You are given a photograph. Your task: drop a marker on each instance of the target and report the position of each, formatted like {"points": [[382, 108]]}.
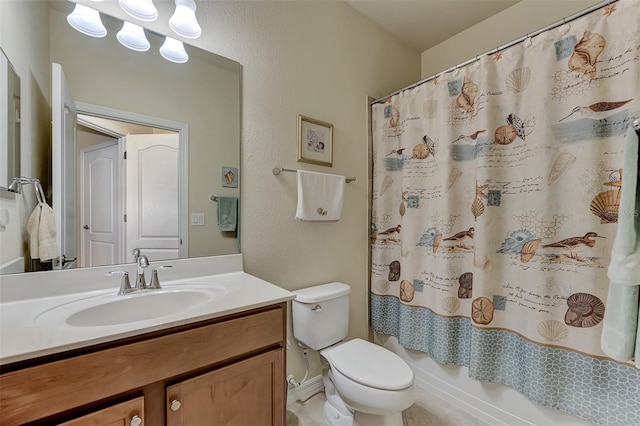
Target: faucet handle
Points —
{"points": [[155, 282], [125, 285], [136, 254]]}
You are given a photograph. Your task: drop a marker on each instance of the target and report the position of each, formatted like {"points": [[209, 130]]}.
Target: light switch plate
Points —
{"points": [[197, 219]]}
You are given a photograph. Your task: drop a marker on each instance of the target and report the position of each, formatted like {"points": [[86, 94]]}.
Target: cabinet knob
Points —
{"points": [[135, 421], [175, 405]]}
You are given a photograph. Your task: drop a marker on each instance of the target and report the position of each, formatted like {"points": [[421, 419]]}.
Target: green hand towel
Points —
{"points": [[620, 331], [227, 213]]}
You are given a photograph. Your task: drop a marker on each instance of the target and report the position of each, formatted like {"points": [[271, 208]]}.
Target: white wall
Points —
{"points": [[494, 403]]}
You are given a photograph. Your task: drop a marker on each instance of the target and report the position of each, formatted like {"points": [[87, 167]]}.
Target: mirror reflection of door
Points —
{"points": [[152, 196], [64, 117], [123, 168], [100, 209]]}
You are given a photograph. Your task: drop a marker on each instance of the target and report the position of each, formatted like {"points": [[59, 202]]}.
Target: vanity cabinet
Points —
{"points": [[226, 370], [128, 413], [239, 394]]}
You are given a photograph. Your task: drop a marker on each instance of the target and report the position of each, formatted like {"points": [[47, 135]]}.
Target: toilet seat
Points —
{"points": [[370, 365]]}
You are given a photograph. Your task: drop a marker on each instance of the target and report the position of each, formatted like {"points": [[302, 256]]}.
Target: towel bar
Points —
{"points": [[278, 170]]}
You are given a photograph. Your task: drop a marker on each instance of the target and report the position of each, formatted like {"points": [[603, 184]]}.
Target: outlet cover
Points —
{"points": [[197, 219]]}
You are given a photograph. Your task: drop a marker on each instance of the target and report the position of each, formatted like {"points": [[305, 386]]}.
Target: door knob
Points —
{"points": [[175, 405], [85, 227], [135, 421]]}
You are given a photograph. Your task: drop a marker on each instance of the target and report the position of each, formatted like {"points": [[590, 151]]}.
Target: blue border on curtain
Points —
{"points": [[601, 391]]}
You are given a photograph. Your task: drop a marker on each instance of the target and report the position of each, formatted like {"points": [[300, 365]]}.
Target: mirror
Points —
{"points": [[9, 122], [202, 95]]}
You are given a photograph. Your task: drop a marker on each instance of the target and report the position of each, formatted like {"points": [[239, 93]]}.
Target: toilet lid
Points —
{"points": [[371, 365]]}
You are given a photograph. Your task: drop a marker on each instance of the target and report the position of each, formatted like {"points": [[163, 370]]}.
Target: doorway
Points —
{"points": [[128, 191]]}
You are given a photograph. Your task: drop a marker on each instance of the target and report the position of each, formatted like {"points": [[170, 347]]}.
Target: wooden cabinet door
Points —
{"points": [[122, 414], [247, 393]]}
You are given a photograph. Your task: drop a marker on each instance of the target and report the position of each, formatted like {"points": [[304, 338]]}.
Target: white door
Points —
{"points": [[63, 110], [152, 196], [100, 184]]}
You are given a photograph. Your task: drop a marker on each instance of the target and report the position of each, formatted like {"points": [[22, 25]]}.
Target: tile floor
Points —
{"points": [[427, 410]]}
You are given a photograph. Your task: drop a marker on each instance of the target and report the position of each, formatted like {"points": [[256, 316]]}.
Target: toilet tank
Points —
{"points": [[321, 314]]}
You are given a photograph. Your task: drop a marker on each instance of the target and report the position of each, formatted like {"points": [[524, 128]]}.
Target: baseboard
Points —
{"points": [[305, 390]]}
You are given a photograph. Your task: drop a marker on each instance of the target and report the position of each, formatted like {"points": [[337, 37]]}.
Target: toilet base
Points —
{"points": [[364, 419], [338, 413], [336, 417], [335, 410]]}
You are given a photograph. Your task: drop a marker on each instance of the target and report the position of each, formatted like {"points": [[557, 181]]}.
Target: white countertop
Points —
{"points": [[23, 336]]}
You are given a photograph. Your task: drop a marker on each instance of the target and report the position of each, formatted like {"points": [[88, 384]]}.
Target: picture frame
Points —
{"points": [[230, 177], [315, 141]]}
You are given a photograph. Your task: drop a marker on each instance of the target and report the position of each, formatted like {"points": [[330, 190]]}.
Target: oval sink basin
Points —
{"points": [[111, 310]]}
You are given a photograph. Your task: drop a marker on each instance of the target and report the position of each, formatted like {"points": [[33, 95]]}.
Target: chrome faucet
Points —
{"points": [[142, 263], [155, 282], [125, 286], [136, 254]]}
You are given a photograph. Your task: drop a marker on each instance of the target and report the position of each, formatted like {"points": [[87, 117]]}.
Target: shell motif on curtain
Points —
{"points": [[495, 202]]}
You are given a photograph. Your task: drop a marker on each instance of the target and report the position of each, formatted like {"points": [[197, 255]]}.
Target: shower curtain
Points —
{"points": [[495, 203]]}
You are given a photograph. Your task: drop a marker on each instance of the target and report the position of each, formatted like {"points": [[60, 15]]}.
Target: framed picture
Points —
{"points": [[315, 141], [230, 177]]}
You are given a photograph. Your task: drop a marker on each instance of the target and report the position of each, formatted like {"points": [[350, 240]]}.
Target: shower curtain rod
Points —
{"points": [[504, 46]]}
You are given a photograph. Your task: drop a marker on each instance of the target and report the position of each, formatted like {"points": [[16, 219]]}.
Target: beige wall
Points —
{"points": [[31, 63], [322, 60], [510, 24]]}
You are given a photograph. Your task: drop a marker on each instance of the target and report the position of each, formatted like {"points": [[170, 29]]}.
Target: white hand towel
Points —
{"points": [[320, 197], [47, 234], [41, 227], [33, 224]]}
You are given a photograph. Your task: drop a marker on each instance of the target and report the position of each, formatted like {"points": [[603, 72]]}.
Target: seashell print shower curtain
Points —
{"points": [[495, 202]]}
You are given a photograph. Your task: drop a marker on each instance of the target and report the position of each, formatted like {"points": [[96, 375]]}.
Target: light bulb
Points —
{"points": [[132, 36], [87, 21], [184, 22], [143, 10], [173, 50]]}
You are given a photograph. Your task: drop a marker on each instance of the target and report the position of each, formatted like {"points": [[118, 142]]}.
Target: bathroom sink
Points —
{"points": [[112, 310]]}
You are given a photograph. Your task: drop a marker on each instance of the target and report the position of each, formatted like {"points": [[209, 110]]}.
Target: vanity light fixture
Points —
{"points": [[87, 21], [173, 50], [143, 10], [184, 22], [132, 36]]}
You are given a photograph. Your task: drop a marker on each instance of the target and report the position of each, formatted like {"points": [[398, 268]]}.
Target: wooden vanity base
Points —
{"points": [[228, 370]]}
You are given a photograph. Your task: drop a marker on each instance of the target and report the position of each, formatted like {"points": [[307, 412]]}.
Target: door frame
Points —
{"points": [[183, 159], [114, 131]]}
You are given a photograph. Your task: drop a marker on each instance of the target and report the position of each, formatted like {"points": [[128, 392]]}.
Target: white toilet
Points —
{"points": [[364, 383]]}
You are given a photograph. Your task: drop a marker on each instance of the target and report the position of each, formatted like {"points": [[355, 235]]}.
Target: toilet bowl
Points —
{"points": [[372, 381], [365, 384]]}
